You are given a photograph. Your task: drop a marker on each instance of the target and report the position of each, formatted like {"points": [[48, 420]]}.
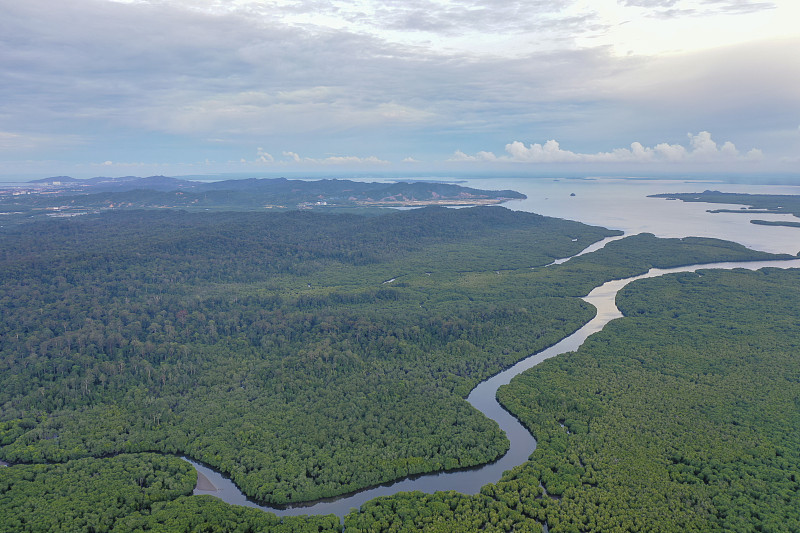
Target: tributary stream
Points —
{"points": [[483, 398]]}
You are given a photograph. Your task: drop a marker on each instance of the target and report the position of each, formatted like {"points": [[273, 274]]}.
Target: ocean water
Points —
{"points": [[623, 203]]}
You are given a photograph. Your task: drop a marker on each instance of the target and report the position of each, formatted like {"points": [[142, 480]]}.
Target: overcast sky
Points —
{"points": [[177, 87]]}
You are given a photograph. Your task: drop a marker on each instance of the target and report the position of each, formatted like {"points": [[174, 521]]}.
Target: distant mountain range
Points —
{"points": [[67, 196], [125, 183]]}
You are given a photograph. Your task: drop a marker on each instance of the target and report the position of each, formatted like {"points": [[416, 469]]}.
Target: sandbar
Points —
{"points": [[204, 484]]}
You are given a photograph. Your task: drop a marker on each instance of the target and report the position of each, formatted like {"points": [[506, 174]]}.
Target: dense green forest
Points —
{"points": [[128, 493], [683, 416], [304, 354], [267, 346], [687, 409]]}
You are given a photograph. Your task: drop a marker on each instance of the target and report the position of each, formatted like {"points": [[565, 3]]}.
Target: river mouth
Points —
{"points": [[483, 398]]}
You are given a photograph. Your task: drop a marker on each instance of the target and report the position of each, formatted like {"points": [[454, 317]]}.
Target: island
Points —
{"points": [[752, 204]]}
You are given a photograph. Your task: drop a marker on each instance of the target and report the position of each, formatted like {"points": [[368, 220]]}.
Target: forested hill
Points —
{"points": [[63, 196], [304, 354], [682, 417], [271, 346]]}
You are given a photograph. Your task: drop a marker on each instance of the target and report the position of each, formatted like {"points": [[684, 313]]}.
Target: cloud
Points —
{"points": [[264, 157], [15, 141], [121, 165], [369, 77], [168, 68], [549, 152], [467, 16], [458, 155], [350, 159], [702, 149], [292, 158], [234, 70], [682, 8], [404, 21], [263, 113], [18, 141]]}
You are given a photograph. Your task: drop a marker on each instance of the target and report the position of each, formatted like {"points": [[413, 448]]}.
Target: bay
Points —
{"points": [[623, 204]]}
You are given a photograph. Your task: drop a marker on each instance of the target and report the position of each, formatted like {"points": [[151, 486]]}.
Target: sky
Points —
{"points": [[202, 87]]}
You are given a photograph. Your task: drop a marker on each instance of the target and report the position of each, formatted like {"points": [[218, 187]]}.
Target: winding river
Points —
{"points": [[483, 398]]}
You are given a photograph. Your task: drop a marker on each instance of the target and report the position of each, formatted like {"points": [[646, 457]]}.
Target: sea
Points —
{"points": [[625, 204]]}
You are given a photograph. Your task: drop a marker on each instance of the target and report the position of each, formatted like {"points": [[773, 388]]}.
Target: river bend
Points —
{"points": [[483, 398]]}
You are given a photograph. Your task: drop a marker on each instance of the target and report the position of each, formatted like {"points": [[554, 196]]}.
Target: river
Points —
{"points": [[483, 398], [613, 203]]}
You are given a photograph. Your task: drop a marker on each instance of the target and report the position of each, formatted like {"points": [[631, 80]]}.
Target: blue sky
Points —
{"points": [[178, 87]]}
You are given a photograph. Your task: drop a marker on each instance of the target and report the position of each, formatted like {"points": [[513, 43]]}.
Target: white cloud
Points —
{"points": [[293, 156], [480, 156], [264, 157], [670, 152], [756, 154], [672, 8], [121, 165], [350, 159], [702, 149], [703, 145], [549, 152]]}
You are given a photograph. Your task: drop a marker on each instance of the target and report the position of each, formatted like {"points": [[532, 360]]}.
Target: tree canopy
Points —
{"points": [[305, 355]]}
